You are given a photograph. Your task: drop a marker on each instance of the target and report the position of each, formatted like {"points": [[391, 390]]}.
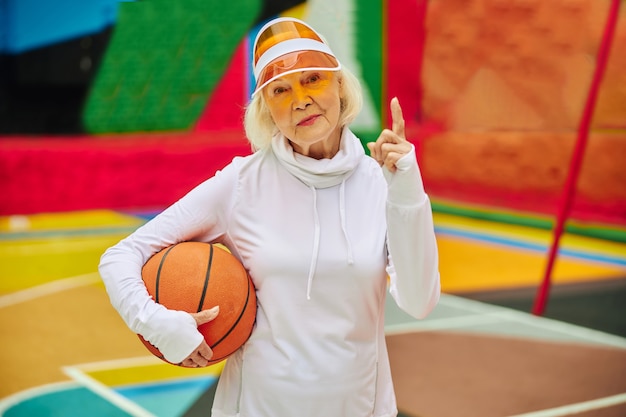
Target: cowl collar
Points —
{"points": [[320, 173]]}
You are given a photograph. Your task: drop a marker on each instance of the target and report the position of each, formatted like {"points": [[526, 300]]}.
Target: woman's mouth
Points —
{"points": [[309, 120]]}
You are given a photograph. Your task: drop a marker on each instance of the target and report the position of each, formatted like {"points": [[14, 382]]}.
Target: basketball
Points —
{"points": [[195, 276]]}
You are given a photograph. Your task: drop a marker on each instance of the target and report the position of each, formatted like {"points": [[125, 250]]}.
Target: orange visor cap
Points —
{"points": [[286, 45]]}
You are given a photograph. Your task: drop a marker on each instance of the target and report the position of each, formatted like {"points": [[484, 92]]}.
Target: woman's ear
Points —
{"points": [[342, 95], [341, 88]]}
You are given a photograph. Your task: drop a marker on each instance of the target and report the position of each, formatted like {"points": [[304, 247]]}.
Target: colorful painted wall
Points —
{"points": [[505, 83], [162, 61], [492, 92]]}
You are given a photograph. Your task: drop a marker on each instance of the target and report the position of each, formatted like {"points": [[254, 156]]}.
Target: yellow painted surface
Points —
{"points": [[28, 263], [472, 265], [467, 265], [65, 221], [533, 235], [126, 375], [41, 248]]}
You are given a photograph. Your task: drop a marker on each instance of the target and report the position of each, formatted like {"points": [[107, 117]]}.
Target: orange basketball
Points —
{"points": [[195, 276]]}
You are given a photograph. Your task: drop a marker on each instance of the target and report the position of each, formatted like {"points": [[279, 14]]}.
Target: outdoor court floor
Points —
{"points": [[68, 354]]}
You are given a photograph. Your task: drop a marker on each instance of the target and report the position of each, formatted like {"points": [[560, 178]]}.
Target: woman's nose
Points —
{"points": [[301, 97]]}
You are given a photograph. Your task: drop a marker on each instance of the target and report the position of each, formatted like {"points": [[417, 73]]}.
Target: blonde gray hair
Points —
{"points": [[260, 126]]}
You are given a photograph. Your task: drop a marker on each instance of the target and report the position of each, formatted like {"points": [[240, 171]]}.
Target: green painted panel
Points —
{"points": [[370, 53], [164, 59]]}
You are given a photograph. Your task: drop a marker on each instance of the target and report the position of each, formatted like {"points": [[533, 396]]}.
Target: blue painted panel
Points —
{"points": [[30, 24]]}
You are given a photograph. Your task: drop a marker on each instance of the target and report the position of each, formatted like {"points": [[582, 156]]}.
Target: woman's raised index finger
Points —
{"points": [[397, 118]]}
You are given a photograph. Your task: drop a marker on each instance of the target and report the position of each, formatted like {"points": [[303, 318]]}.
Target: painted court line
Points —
{"points": [[48, 289], [567, 329], [443, 323], [573, 409], [44, 234], [105, 392], [141, 361], [523, 244], [505, 314], [119, 363]]}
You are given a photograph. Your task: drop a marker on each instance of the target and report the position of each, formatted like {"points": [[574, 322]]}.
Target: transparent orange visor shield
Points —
{"points": [[295, 62], [287, 45], [280, 30]]}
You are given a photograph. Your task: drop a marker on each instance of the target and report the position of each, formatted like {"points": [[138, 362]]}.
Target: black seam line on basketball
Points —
{"points": [[158, 277], [206, 279], [227, 354], [243, 310]]}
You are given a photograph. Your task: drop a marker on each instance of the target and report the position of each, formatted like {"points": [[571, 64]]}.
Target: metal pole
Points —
{"points": [[569, 190]]}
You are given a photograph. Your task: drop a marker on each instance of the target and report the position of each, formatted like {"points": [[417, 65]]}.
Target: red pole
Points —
{"points": [[569, 190]]}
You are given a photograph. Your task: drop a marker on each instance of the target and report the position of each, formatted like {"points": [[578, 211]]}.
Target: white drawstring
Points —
{"points": [[316, 244], [342, 214], [316, 237]]}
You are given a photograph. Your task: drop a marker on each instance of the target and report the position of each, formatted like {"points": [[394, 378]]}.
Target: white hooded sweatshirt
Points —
{"points": [[319, 238]]}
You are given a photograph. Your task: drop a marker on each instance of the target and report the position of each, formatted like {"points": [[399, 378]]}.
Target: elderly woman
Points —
{"points": [[323, 230]]}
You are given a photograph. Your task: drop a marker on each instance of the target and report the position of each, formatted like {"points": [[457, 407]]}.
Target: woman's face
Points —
{"points": [[305, 106]]}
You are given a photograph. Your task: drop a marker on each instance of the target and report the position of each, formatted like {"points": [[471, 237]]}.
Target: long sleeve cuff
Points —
{"points": [[406, 187], [175, 333]]}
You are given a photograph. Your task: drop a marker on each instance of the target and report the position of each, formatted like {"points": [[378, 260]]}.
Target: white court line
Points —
{"points": [[572, 409], [49, 288], [149, 360], [119, 363], [462, 303], [107, 393], [443, 323], [507, 314], [9, 402], [556, 326]]}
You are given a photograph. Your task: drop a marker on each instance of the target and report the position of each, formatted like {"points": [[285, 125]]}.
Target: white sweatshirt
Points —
{"points": [[318, 238]]}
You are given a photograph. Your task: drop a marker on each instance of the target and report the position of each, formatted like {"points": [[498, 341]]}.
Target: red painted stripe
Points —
{"points": [[225, 107]]}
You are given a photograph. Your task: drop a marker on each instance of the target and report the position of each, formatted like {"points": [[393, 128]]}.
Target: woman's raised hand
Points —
{"points": [[391, 145]]}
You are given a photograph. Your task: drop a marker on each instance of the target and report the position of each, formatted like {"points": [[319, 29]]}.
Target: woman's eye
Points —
{"points": [[279, 90], [313, 78]]}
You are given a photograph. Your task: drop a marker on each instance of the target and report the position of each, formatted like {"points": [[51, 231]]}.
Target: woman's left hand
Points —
{"points": [[391, 145], [201, 356]]}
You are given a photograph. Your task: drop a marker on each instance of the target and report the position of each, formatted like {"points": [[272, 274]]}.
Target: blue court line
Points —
{"points": [[535, 247]]}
